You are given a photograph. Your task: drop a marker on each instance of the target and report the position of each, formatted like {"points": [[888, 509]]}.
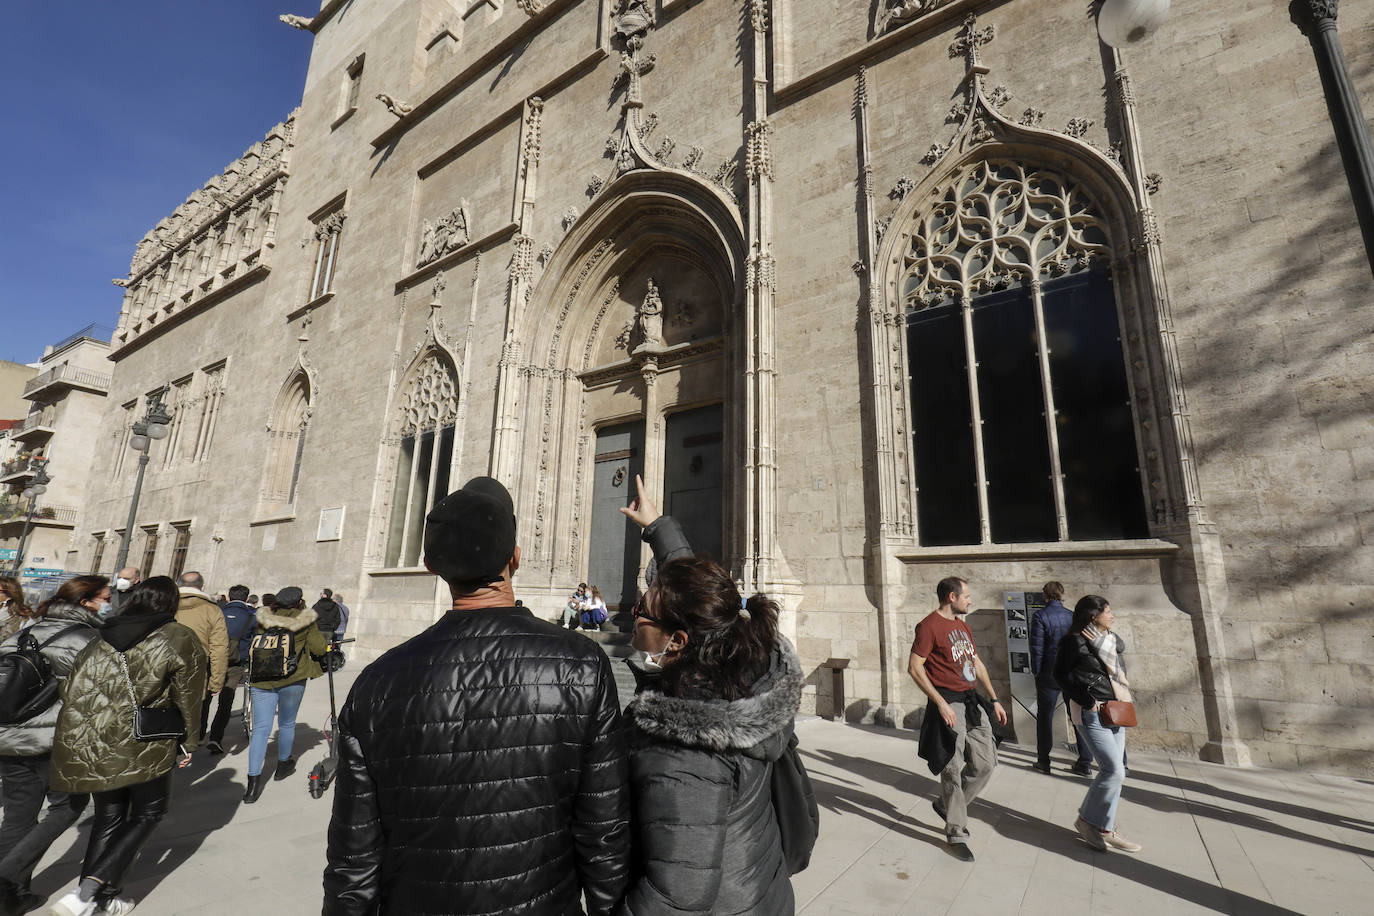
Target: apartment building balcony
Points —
{"points": [[63, 377], [37, 427], [13, 513], [19, 471]]}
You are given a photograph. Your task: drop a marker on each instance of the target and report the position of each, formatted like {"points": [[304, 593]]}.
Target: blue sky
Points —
{"points": [[114, 112]]}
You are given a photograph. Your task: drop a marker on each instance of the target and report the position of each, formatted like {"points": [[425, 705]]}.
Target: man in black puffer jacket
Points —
{"points": [[482, 763]]}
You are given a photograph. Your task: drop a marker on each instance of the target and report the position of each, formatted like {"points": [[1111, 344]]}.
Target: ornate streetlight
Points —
{"points": [[152, 426], [36, 488]]}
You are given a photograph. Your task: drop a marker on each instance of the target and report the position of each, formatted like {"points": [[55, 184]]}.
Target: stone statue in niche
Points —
{"points": [[650, 318], [633, 18], [448, 234]]}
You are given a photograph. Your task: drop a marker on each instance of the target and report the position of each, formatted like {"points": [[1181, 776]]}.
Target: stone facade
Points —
{"points": [[495, 234]]}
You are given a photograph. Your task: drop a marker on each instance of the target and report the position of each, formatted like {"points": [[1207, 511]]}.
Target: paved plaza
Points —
{"points": [[1216, 840]]}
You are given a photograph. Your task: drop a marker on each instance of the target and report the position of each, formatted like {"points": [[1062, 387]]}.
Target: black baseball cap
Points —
{"points": [[470, 533]]}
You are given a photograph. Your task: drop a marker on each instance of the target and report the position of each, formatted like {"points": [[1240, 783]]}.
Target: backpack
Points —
{"points": [[28, 685], [274, 654], [794, 805]]}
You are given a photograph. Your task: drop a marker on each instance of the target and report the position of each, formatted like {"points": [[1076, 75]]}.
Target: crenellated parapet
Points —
{"points": [[221, 235]]}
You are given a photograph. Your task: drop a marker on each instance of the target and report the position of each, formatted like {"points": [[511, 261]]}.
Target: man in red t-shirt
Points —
{"points": [[945, 665]]}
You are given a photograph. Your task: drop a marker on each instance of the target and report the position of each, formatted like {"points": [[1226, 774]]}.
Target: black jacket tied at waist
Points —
{"points": [[937, 740]]}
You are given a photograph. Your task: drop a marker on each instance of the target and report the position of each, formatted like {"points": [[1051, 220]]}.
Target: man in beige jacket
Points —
{"points": [[199, 611]]}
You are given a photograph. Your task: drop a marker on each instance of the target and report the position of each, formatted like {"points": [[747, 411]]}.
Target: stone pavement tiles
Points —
{"points": [[1216, 840]]}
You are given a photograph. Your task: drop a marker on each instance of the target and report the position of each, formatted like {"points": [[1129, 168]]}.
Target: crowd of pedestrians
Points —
{"points": [[484, 765], [100, 702]]}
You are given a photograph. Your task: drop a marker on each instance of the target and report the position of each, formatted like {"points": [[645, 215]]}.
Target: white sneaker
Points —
{"points": [[1090, 835], [72, 905]]}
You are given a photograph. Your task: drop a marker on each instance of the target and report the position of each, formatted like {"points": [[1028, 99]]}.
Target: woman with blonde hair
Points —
{"points": [[17, 613]]}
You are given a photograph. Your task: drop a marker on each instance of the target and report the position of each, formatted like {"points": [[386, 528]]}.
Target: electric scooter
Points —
{"points": [[322, 774]]}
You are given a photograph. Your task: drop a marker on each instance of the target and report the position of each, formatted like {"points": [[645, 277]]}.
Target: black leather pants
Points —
{"points": [[124, 819]]}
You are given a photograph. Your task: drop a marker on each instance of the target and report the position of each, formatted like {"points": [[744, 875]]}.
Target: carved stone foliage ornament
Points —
{"points": [[532, 7], [449, 233], [892, 14], [431, 400], [996, 224]]}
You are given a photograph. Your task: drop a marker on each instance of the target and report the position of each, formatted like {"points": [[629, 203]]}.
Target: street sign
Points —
{"points": [[9, 554], [34, 572]]}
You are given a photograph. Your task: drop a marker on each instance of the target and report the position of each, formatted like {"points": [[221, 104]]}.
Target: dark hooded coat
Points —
{"points": [[706, 838]]}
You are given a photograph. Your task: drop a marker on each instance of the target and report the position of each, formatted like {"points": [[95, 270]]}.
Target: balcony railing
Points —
{"points": [[42, 420], [21, 468], [18, 510], [73, 376]]}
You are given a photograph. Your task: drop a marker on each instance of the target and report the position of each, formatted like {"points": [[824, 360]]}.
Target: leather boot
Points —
{"points": [[255, 786], [284, 768]]}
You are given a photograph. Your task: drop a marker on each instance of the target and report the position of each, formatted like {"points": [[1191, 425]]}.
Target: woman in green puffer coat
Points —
{"points": [[95, 750], [290, 645]]}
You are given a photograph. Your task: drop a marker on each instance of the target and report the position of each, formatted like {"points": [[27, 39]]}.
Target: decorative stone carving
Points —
{"points": [[1153, 181], [759, 151], [545, 253], [431, 399], [999, 96], [534, 123], [633, 19], [647, 126], [1031, 117], [1077, 127], [936, 151], [121, 282], [449, 233], [665, 149], [970, 39], [891, 14], [901, 189], [1046, 226], [570, 216], [693, 160], [398, 108], [758, 15], [594, 185], [532, 8], [296, 22], [684, 316], [649, 318], [330, 225]]}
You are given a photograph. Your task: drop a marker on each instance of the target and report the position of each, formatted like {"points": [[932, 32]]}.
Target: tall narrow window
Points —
{"points": [[428, 414], [201, 432], [99, 556], [286, 441], [179, 402], [353, 83], [327, 232], [149, 548], [179, 548], [126, 429], [1021, 418]]}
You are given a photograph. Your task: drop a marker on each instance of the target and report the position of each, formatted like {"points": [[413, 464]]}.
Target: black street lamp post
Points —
{"points": [[36, 488], [152, 426]]}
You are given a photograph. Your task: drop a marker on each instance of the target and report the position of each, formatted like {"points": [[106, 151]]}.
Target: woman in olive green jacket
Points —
{"points": [[144, 652], [289, 645]]}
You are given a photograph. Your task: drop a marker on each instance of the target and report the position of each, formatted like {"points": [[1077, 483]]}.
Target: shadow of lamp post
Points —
{"points": [[152, 426], [36, 488]]}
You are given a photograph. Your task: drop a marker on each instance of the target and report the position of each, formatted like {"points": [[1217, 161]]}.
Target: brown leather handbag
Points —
{"points": [[1117, 714]]}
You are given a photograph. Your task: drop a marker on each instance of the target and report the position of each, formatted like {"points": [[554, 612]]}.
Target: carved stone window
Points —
{"points": [[428, 413], [180, 546], [286, 441], [327, 232], [1022, 428], [353, 83]]}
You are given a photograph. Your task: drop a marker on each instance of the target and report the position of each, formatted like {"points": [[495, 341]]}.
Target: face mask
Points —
{"points": [[104, 609], [651, 659], [122, 584]]}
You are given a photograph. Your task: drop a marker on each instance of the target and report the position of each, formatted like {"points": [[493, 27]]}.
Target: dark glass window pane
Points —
{"points": [[1016, 451], [1097, 447], [941, 428], [445, 459]]}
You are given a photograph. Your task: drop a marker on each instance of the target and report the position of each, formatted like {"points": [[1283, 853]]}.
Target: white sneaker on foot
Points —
{"points": [[72, 905]]}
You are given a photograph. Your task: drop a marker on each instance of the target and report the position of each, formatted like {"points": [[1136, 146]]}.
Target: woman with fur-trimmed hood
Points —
{"points": [[713, 712], [284, 654]]}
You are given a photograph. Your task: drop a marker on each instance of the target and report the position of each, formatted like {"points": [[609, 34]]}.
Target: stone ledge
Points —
{"points": [[1143, 547]]}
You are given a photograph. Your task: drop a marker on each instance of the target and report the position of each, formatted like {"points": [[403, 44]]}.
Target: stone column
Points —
{"points": [[1317, 19]]}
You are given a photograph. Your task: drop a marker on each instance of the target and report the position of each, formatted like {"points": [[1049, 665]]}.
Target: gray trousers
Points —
{"points": [[968, 771]]}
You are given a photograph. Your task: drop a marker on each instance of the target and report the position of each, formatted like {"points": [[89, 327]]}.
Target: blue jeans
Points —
{"points": [[1108, 745], [283, 702], [1046, 699]]}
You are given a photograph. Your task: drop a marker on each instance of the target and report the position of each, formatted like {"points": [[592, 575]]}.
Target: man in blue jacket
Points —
{"points": [[1047, 627], [240, 620]]}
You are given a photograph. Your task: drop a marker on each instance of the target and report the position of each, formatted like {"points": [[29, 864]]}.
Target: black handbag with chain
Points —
{"points": [[153, 723]]}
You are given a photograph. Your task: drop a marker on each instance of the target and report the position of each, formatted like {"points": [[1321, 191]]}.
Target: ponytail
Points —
{"points": [[728, 648]]}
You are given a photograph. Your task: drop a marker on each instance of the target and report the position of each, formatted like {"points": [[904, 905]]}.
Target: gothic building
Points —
{"points": [[871, 292]]}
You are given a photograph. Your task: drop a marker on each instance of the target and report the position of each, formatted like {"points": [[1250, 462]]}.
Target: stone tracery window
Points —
{"points": [[428, 413], [1021, 419]]}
